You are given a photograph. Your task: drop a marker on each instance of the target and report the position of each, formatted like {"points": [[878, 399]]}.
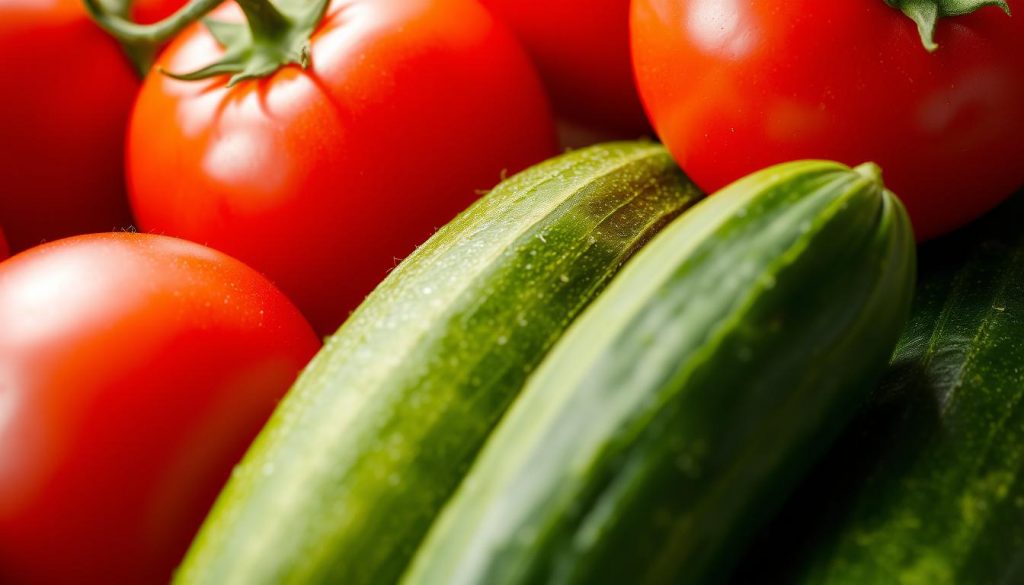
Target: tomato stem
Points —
{"points": [[275, 35], [265, 21], [157, 33], [141, 41], [926, 13]]}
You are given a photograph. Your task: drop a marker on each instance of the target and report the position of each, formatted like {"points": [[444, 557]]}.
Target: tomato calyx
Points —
{"points": [[140, 41], [926, 13], [273, 37], [276, 35]]}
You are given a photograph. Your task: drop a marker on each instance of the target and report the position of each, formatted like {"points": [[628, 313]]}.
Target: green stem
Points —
{"points": [[265, 21], [926, 13], [132, 34], [276, 34], [118, 7]]}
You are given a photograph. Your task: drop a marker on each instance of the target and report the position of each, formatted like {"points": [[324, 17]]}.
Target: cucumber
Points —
{"points": [[347, 477], [684, 403], [927, 486]]}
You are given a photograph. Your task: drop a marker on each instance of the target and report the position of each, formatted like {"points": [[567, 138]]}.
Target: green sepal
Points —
{"points": [[275, 36], [926, 13], [228, 34]]}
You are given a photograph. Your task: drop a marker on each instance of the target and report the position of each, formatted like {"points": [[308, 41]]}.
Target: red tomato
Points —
{"points": [[134, 371], [732, 87], [324, 178], [63, 109], [4, 250], [149, 11], [581, 49]]}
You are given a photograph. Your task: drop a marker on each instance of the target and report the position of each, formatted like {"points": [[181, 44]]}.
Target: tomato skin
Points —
{"points": [[150, 11], [581, 50], [4, 250], [134, 371], [324, 178], [62, 119], [732, 87]]}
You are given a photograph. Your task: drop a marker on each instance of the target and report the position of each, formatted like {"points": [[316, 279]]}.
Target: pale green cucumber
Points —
{"points": [[348, 475], [677, 412]]}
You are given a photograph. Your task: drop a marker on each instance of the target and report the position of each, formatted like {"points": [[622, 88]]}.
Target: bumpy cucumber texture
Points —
{"points": [[345, 480], [680, 408]]}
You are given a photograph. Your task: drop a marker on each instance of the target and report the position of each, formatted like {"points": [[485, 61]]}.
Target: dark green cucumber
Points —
{"points": [[927, 486], [350, 472], [686, 401]]}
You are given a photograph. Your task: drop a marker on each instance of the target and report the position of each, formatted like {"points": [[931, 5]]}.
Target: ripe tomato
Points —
{"points": [[134, 371], [733, 86], [62, 119], [4, 250], [323, 178], [149, 11], [581, 49]]}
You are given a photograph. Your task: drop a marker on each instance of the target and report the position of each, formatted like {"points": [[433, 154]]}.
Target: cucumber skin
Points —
{"points": [[347, 476], [927, 485], [626, 459]]}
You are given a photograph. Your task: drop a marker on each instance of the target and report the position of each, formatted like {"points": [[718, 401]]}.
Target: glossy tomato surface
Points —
{"points": [[149, 11], [733, 86], [581, 49], [67, 92], [324, 178], [134, 371]]}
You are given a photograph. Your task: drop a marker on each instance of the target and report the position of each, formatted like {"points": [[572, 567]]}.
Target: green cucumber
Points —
{"points": [[347, 477], [686, 401], [927, 486]]}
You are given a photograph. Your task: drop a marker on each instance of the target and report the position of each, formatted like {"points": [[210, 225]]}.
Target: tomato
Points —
{"points": [[150, 11], [323, 178], [4, 250], [581, 49], [134, 371], [733, 86], [68, 90]]}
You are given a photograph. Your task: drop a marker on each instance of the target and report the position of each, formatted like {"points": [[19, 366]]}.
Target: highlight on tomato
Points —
{"points": [[934, 99], [134, 371], [355, 130]]}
